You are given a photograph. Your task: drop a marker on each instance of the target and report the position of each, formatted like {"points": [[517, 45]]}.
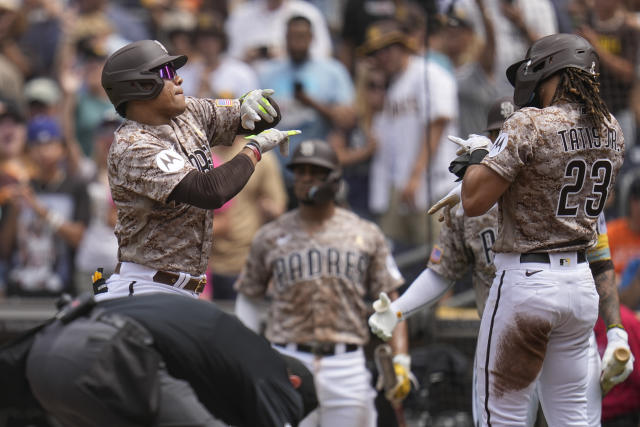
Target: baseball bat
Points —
{"points": [[383, 357], [614, 367]]}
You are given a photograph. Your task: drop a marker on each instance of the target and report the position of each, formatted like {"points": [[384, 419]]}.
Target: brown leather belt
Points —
{"points": [[320, 349], [194, 284]]}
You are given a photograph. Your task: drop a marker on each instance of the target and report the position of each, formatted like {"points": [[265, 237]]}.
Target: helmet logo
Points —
{"points": [[592, 70], [306, 148], [162, 46]]}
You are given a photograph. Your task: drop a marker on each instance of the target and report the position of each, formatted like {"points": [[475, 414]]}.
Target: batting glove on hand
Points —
{"points": [[617, 338], [472, 143], [270, 138], [402, 367], [447, 203], [255, 106], [383, 320]]}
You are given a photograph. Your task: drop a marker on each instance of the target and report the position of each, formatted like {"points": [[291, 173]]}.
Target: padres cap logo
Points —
{"points": [[306, 148]]}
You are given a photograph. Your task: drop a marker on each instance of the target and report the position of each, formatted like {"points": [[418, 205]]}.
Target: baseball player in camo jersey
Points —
{"points": [[465, 242], [160, 170], [318, 263], [550, 170]]}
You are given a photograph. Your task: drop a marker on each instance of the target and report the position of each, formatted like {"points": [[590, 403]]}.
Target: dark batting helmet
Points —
{"points": [[319, 153], [129, 67], [315, 152], [546, 56]]}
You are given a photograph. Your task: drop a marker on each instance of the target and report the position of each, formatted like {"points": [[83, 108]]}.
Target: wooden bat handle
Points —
{"points": [[615, 367], [622, 355]]}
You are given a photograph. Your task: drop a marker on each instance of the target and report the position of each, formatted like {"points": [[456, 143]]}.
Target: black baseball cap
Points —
{"points": [[500, 110], [10, 109]]}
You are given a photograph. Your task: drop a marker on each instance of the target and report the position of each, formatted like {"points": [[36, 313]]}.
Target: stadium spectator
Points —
{"points": [[315, 94], [474, 61], [355, 146], [516, 24], [409, 167], [52, 217], [42, 96], [213, 74], [617, 42], [13, 170], [257, 29], [14, 65]]}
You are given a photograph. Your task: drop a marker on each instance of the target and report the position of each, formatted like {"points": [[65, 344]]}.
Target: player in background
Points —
{"points": [[550, 170], [160, 171], [318, 263]]}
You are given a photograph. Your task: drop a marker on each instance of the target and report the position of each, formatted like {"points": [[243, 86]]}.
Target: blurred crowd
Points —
{"points": [[384, 81]]}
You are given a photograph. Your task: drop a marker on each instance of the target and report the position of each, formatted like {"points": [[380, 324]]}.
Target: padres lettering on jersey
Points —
{"points": [[561, 171], [320, 280], [313, 263]]}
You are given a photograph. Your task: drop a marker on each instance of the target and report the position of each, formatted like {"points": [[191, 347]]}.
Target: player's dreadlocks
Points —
{"points": [[580, 86]]}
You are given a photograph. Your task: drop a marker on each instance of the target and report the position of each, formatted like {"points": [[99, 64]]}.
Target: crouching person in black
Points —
{"points": [[156, 360]]}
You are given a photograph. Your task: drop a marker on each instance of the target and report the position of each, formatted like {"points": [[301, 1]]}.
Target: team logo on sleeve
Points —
{"points": [[169, 161], [499, 144], [224, 103]]}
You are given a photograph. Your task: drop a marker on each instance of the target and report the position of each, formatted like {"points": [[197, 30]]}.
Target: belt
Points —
{"points": [[543, 257], [320, 349], [194, 284]]}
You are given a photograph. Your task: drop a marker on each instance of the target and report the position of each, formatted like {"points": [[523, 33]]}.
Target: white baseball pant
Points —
{"points": [[535, 329], [343, 385]]}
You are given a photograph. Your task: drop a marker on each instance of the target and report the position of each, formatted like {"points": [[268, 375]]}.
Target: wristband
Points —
{"points": [[256, 150], [615, 325]]}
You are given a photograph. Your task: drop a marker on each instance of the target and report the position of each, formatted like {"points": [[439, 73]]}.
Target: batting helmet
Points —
{"points": [[546, 56], [319, 153], [315, 152], [129, 67]]}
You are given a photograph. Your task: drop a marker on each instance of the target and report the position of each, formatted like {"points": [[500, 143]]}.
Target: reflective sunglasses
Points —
{"points": [[167, 71]]}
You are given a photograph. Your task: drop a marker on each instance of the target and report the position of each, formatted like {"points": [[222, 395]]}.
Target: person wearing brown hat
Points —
{"points": [[409, 167]]}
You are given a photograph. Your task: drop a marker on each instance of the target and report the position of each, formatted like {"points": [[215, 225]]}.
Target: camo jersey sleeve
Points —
{"points": [[468, 245], [145, 164], [448, 257]]}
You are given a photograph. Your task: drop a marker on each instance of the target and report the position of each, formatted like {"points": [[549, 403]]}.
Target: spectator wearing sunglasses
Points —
{"points": [[160, 171]]}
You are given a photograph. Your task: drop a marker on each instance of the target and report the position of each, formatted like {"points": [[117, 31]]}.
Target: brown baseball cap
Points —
{"points": [[500, 110], [384, 33]]}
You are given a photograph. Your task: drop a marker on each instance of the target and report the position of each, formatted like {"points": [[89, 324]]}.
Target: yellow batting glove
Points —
{"points": [[402, 367]]}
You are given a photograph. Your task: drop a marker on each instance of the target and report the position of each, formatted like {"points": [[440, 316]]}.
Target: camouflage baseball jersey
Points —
{"points": [[145, 164], [561, 170], [467, 244], [319, 281]]}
